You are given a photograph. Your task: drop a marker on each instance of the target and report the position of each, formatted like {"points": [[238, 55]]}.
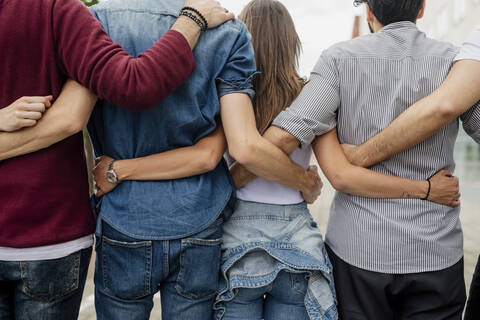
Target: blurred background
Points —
{"points": [[321, 23]]}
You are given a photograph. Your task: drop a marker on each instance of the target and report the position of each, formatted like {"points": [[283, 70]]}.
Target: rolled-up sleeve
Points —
{"points": [[314, 112], [240, 69], [470, 49], [471, 122]]}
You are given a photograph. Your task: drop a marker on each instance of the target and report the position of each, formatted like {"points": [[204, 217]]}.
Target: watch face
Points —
{"points": [[111, 177]]}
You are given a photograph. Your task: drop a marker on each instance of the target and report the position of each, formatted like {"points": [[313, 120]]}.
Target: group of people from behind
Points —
{"points": [[204, 140]]}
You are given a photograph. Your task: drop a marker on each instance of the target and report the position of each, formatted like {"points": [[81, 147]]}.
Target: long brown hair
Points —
{"points": [[277, 49]]}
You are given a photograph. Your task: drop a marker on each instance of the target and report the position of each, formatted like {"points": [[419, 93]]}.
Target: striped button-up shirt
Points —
{"points": [[360, 86]]}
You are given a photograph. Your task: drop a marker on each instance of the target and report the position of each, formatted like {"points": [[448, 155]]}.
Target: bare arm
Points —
{"points": [[459, 92], [256, 153], [280, 138], [175, 164], [68, 115], [24, 112], [354, 180]]}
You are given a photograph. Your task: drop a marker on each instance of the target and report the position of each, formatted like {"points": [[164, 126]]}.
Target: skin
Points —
{"points": [[77, 104], [351, 179], [180, 163], [24, 112], [459, 92], [455, 96], [244, 142]]}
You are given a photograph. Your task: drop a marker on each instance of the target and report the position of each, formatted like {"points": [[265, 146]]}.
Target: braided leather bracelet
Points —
{"points": [[205, 22]]}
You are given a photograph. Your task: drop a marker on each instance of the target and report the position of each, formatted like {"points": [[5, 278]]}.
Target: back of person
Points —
{"points": [[182, 119], [381, 75], [30, 215], [264, 191], [271, 245]]}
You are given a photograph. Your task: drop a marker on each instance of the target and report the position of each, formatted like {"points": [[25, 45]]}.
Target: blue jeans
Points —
{"points": [[46, 290], [128, 272], [283, 299]]}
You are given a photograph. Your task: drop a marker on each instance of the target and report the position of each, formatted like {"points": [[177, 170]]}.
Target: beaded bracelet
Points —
{"points": [[194, 18], [205, 22]]}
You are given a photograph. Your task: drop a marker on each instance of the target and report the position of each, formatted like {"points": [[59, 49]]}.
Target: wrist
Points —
{"points": [[307, 183], [188, 28], [429, 188], [121, 168], [420, 190]]}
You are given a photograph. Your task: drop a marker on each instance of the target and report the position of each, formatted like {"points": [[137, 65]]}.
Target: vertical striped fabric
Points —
{"points": [[360, 86]]}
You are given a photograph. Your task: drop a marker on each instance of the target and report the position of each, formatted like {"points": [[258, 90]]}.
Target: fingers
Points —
{"points": [[229, 16], [29, 115], [47, 100], [34, 106], [25, 123], [445, 173]]}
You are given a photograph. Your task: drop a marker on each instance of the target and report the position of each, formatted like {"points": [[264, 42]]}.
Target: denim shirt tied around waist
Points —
{"points": [[170, 209], [260, 240]]}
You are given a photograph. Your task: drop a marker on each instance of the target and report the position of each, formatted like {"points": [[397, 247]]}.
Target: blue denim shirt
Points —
{"points": [[171, 209]]}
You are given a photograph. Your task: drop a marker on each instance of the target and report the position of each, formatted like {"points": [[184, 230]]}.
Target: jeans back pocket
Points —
{"points": [[49, 280], [127, 268], [199, 268]]}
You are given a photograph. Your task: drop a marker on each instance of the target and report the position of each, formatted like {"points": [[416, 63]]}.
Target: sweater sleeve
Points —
{"points": [[90, 57]]}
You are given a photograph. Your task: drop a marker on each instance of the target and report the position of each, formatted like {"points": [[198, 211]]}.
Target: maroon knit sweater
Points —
{"points": [[44, 195]]}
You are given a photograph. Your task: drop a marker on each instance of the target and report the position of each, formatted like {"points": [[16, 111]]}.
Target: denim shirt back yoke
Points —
{"points": [[170, 209]]}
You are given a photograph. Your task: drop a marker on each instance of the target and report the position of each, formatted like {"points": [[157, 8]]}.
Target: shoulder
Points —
{"points": [[233, 28]]}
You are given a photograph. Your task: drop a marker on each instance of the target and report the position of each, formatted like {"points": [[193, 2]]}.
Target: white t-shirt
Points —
{"points": [[51, 252], [470, 49], [264, 191]]}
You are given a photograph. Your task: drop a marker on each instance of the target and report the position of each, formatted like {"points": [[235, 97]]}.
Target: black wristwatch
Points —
{"points": [[111, 174]]}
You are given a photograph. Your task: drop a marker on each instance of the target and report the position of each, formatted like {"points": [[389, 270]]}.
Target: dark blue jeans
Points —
{"points": [[128, 272], [43, 290], [473, 306]]}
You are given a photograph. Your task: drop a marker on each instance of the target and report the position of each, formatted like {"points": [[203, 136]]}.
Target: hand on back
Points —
{"points": [[24, 112], [445, 189], [316, 185], [212, 10]]}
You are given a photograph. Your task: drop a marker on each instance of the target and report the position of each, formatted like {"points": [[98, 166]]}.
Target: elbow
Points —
{"points": [[339, 182], [141, 98], [210, 160], [244, 153], [74, 126], [140, 102], [447, 111]]}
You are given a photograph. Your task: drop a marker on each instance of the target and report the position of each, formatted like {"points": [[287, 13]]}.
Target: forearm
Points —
{"points": [[253, 151], [269, 162], [104, 67], [68, 115], [203, 157], [278, 137], [189, 29], [371, 184], [176, 164], [455, 96], [358, 181]]}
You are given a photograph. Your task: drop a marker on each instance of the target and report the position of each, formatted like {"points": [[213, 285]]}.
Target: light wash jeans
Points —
{"points": [[272, 248], [283, 299]]}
